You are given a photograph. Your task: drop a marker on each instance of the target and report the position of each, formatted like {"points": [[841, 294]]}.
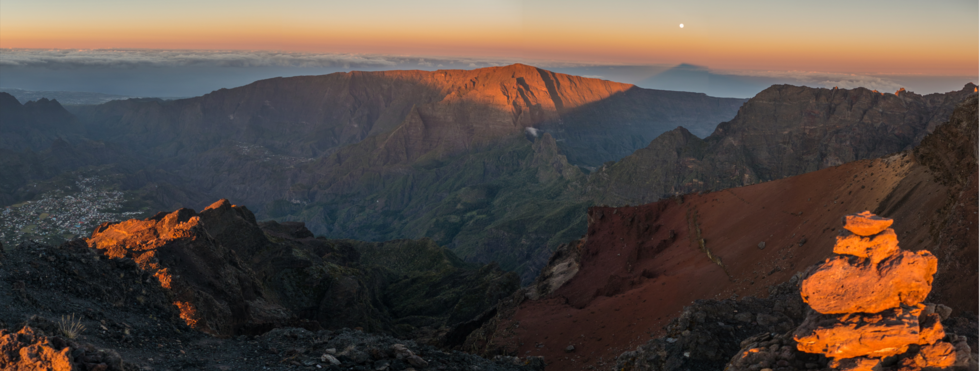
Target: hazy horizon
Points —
{"points": [[188, 48], [838, 36], [187, 73]]}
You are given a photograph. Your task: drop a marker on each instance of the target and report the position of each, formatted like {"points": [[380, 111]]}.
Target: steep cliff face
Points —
{"points": [[638, 266], [950, 152], [783, 131]]}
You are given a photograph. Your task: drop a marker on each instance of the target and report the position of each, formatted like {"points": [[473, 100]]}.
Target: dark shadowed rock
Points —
{"points": [[783, 131], [231, 276], [216, 292]]}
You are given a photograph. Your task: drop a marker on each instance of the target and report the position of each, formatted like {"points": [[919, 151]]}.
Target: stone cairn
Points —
{"points": [[868, 303]]}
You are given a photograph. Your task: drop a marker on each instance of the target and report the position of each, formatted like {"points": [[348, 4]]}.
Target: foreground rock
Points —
{"points": [[708, 332], [215, 291], [30, 349], [867, 304], [129, 317], [779, 353], [355, 350], [230, 275], [25, 350]]}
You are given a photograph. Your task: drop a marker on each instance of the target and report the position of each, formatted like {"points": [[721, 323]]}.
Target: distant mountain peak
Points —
{"points": [[689, 67]]}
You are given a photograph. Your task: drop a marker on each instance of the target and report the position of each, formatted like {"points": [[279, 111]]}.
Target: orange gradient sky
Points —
{"points": [[893, 37]]}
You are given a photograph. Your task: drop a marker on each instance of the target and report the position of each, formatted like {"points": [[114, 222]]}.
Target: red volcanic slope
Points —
{"points": [[641, 265]]}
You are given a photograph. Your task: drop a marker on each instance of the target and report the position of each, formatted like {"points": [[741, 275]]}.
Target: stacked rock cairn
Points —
{"points": [[868, 303]]}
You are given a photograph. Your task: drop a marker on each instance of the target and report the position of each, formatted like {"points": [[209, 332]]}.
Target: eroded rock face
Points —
{"points": [[867, 302], [215, 292]]}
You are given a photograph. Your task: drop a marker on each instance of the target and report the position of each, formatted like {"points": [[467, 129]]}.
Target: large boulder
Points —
{"points": [[847, 284]]}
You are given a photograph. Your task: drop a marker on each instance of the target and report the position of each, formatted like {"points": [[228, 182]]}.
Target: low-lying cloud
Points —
{"points": [[827, 79], [54, 58], [185, 73]]}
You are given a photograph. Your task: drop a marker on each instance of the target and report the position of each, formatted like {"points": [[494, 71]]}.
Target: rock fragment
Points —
{"points": [[855, 335], [330, 359], [938, 355], [866, 223], [877, 248], [857, 364], [930, 329]]}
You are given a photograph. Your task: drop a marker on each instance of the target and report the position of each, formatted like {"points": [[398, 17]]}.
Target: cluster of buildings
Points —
{"points": [[63, 214]]}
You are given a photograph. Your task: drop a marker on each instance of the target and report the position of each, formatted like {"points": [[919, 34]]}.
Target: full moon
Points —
{"points": [[682, 25]]}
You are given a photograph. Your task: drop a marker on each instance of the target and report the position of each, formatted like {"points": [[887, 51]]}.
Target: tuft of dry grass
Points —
{"points": [[70, 326]]}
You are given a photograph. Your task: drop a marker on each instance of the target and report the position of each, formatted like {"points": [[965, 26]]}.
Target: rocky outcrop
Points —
{"points": [[117, 317], [31, 349], [867, 306], [28, 350], [215, 291], [230, 275]]}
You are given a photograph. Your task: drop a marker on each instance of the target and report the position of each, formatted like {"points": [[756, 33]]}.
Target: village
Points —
{"points": [[62, 215]]}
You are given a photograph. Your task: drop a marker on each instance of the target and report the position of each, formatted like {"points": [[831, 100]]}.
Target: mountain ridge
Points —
{"points": [[493, 163], [783, 131], [644, 264]]}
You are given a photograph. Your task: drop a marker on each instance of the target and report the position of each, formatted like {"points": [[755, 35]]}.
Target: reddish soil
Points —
{"points": [[641, 265]]}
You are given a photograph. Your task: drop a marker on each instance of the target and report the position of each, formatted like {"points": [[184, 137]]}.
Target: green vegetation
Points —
{"points": [[70, 327], [503, 203]]}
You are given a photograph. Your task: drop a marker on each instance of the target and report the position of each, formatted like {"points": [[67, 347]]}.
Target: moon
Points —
{"points": [[682, 25]]}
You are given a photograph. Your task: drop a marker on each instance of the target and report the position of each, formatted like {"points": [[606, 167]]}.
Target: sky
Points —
{"points": [[867, 38]]}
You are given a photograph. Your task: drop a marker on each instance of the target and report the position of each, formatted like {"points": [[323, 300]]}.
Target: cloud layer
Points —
{"points": [[183, 73], [827, 79], [54, 58]]}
